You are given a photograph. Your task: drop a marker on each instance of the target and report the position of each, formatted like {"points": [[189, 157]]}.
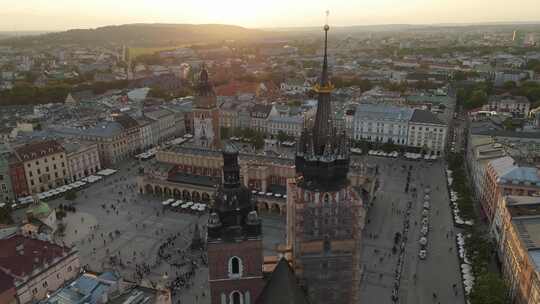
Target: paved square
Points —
{"points": [[420, 279], [115, 228]]}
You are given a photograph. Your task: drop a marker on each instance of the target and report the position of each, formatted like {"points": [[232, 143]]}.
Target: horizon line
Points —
{"points": [[292, 27]]}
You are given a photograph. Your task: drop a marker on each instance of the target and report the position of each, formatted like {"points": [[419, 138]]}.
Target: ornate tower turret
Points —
{"points": [[235, 256], [322, 156], [206, 113], [324, 211]]}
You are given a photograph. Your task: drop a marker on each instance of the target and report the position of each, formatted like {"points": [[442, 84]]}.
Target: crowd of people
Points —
{"points": [[172, 263]]}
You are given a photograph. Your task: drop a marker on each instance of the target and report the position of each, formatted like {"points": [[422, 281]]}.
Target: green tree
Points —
{"points": [[477, 99], [71, 195], [5, 216], [389, 147], [282, 136], [225, 132], [460, 76], [489, 288], [258, 141], [509, 85]]}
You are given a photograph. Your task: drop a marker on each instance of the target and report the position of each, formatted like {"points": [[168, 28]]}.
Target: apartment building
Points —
{"points": [[83, 159], [259, 116], [518, 248], [427, 132], [290, 125], [6, 188], [507, 103], [503, 176], [116, 139], [33, 268], [381, 123], [45, 165], [480, 151]]}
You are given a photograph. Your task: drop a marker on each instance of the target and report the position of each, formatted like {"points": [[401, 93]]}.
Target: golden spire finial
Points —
{"points": [[326, 26]]}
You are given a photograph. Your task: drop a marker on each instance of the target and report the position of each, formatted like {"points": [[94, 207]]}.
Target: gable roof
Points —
{"points": [[282, 287], [38, 149], [22, 255], [261, 110]]}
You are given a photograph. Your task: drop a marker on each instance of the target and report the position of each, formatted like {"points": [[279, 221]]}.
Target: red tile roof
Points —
{"points": [[38, 149], [235, 87], [21, 255], [6, 282]]}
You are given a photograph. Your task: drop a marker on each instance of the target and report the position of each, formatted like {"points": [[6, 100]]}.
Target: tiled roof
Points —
{"points": [[235, 88], [503, 165], [38, 149], [21, 255], [87, 288], [382, 112], [282, 287], [260, 110], [126, 121], [508, 97], [424, 116], [6, 282], [158, 114], [508, 172], [191, 179], [525, 175]]}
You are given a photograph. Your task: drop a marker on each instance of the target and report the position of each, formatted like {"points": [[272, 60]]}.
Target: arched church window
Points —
{"points": [[236, 297], [235, 267], [326, 243], [326, 200]]}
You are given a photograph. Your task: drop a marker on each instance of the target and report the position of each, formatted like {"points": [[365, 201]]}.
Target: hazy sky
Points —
{"points": [[19, 15]]}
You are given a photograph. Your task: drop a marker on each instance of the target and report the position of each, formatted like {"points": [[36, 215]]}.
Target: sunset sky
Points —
{"points": [[49, 15]]}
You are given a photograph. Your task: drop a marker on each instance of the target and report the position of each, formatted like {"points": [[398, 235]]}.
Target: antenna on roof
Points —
{"points": [[327, 14]]}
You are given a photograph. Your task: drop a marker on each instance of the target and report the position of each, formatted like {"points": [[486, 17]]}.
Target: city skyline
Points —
{"points": [[35, 15]]}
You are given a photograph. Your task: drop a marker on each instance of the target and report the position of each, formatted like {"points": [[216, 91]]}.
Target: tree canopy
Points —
{"points": [[489, 288]]}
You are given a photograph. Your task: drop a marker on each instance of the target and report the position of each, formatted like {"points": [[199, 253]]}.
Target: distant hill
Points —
{"points": [[141, 35], [416, 27]]}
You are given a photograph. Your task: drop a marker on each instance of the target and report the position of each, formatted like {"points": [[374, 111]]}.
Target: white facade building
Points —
{"points": [[381, 123], [426, 131], [290, 125], [517, 105]]}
